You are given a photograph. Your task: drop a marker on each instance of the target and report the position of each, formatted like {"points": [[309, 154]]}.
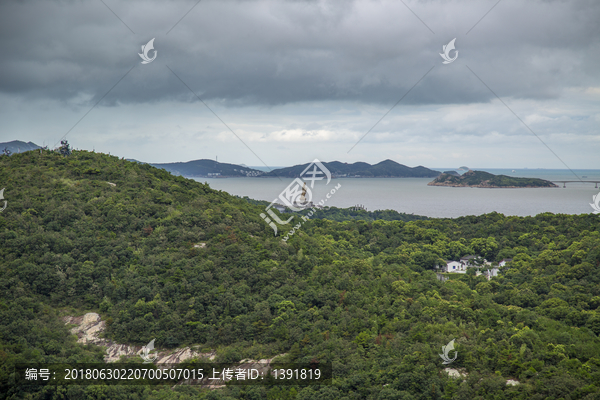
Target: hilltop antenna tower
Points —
{"points": [[65, 149]]}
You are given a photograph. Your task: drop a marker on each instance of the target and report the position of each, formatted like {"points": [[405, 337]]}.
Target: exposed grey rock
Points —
{"points": [[259, 367], [455, 373], [89, 327]]}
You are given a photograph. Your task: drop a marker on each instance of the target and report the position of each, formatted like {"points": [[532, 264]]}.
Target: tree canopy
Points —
{"points": [[91, 232]]}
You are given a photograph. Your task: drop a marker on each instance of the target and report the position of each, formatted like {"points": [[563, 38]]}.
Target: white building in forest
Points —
{"points": [[460, 266], [455, 266], [504, 261]]}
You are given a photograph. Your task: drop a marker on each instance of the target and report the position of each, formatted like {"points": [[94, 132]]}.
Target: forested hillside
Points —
{"points": [[349, 214], [91, 232]]}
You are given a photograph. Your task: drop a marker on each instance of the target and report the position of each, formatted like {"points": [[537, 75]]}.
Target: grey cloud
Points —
{"points": [[273, 53]]}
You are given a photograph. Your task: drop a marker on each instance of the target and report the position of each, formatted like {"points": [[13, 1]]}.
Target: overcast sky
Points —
{"points": [[298, 80]]}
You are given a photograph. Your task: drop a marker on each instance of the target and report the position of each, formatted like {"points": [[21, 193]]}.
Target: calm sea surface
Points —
{"points": [[412, 195]]}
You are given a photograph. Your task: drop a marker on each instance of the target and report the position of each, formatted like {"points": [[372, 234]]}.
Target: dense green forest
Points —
{"points": [[91, 232], [486, 180], [349, 214]]}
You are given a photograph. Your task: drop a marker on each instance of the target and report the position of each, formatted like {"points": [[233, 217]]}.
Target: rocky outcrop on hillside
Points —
{"points": [[90, 326], [258, 368]]}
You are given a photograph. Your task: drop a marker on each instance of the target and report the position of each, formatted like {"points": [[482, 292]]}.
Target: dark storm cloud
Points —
{"points": [[271, 53]]}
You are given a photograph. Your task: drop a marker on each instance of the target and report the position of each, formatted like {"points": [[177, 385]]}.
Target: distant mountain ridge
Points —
{"points": [[208, 168], [213, 169], [384, 169], [17, 146]]}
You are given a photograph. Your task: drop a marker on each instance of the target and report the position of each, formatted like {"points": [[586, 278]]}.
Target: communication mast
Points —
{"points": [[65, 149]]}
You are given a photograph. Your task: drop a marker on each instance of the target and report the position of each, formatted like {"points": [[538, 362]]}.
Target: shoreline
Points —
{"points": [[495, 187]]}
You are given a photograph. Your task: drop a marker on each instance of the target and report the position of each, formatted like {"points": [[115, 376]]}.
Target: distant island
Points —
{"points": [[208, 169], [214, 169], [481, 179], [384, 169]]}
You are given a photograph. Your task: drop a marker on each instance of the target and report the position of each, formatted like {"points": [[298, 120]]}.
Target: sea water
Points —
{"points": [[413, 196]]}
